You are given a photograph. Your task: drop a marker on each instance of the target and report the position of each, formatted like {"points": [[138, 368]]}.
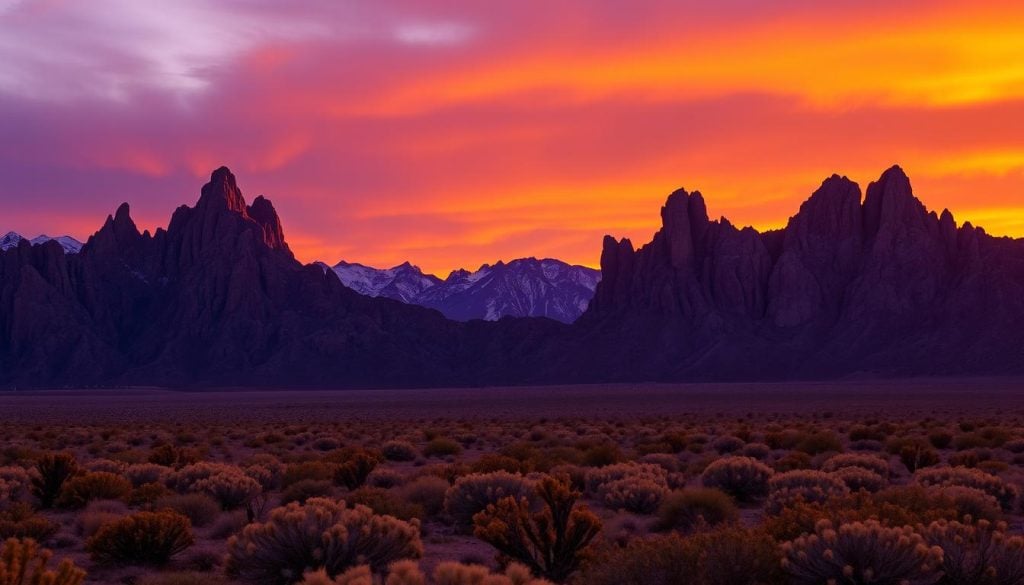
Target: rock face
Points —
{"points": [[879, 287], [218, 299], [882, 287], [526, 287]]}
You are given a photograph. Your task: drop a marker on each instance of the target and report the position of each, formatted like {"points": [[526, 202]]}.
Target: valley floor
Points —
{"points": [[846, 399]]}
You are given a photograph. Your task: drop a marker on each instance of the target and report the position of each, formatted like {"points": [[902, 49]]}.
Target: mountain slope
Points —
{"points": [[882, 287], [526, 287], [402, 283]]}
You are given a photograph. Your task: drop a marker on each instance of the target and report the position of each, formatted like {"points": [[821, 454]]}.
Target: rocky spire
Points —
{"points": [[263, 213], [222, 193], [684, 220], [890, 205], [117, 234]]}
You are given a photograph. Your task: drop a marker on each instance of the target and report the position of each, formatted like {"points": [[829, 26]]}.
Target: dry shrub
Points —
{"points": [[148, 493], [895, 506], [596, 478], [98, 485], [143, 473], [21, 521], [727, 444], [200, 509], [321, 534], [181, 578], [15, 486], [149, 538], [228, 484], [636, 494], [441, 447], [734, 556], [756, 450], [977, 554], [916, 454], [820, 442], [660, 560], [724, 556], [450, 573], [793, 460], [265, 469], [600, 455], [383, 501], [107, 465], [491, 462], [22, 562], [968, 502], [473, 493], [1002, 491], [171, 456], [551, 541], [858, 478], [667, 461], [871, 463], [399, 451], [742, 478], [427, 492], [315, 470], [696, 508], [802, 486], [49, 475], [385, 478], [637, 487], [305, 489], [861, 552], [353, 473]]}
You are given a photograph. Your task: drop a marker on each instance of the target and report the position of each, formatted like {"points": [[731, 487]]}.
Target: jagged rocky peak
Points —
{"points": [[222, 212], [684, 220], [262, 212], [117, 234], [831, 215], [222, 192], [890, 204]]}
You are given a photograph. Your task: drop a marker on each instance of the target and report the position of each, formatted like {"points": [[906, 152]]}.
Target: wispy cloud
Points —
{"points": [[434, 33], [458, 132]]}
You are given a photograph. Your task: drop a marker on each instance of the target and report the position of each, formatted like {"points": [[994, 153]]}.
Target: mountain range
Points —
{"points": [[12, 239], [526, 287], [852, 286]]}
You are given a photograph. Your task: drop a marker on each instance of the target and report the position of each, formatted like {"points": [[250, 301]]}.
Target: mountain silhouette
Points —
{"points": [[879, 287]]}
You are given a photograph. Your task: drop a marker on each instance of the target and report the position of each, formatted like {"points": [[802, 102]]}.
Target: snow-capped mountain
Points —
{"points": [[527, 287], [401, 283], [70, 245]]}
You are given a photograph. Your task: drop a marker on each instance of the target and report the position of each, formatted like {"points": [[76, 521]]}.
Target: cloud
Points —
{"points": [[454, 133], [438, 33]]}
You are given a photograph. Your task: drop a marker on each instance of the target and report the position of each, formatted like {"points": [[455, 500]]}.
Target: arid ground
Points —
{"points": [[692, 483]]}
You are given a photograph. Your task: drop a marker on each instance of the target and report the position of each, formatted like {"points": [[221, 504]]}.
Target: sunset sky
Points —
{"points": [[452, 133]]}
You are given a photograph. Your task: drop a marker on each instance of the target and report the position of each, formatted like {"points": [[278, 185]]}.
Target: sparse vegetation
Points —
{"points": [[700, 499], [320, 534], [149, 538], [22, 562]]}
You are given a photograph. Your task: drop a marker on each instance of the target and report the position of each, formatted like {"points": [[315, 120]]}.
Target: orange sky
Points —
{"points": [[458, 133]]}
